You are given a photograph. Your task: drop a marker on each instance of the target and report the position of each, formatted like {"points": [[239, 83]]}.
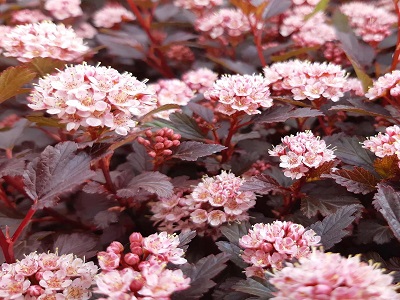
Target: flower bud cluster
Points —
{"points": [[240, 93], [306, 80], [212, 203], [63, 9], [44, 39], [371, 22], [385, 144], [298, 153], [112, 14], [268, 246], [330, 276], [141, 273], [158, 144], [386, 85], [226, 25], [180, 53], [47, 276], [84, 95]]}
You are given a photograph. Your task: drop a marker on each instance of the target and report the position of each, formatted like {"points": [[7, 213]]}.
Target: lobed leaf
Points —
{"points": [[57, 170], [316, 173], [281, 113], [387, 202], [192, 150], [262, 289], [387, 167], [13, 79], [204, 112], [371, 231], [201, 274], [276, 7], [11, 167], [45, 65], [80, 244], [357, 180], [185, 126], [8, 138], [233, 251], [261, 184], [233, 232], [185, 238], [332, 228], [152, 182]]}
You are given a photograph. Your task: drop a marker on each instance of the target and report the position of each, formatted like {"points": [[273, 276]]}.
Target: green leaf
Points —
{"points": [[13, 79], [321, 6]]}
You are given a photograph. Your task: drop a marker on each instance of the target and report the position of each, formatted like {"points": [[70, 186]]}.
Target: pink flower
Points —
{"points": [[115, 282], [236, 93], [270, 245], [198, 6], [385, 144], [306, 80], [331, 276], [24, 16], [44, 39], [372, 23], [112, 14], [301, 152], [86, 96], [386, 85], [164, 246], [200, 80], [63, 9], [108, 260]]}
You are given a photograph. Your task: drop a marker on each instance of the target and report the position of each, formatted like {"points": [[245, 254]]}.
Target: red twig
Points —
{"points": [[257, 40], [145, 24], [105, 168]]}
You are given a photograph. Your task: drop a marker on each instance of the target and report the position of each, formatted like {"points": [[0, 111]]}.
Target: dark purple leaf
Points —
{"points": [[325, 198], [152, 182], [11, 167], [276, 7], [9, 137], [182, 124], [185, 238], [139, 159], [362, 107], [332, 228], [261, 184], [233, 232], [225, 292], [281, 113], [371, 231], [233, 251], [201, 274], [121, 46], [164, 12], [79, 244], [204, 112], [260, 288], [179, 36], [350, 151], [357, 180], [238, 67], [57, 170], [387, 202], [192, 150]]}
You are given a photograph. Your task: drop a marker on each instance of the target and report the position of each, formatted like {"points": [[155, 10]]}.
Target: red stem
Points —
{"points": [[3, 196], [9, 153], [105, 168], [164, 68], [396, 54], [257, 40], [227, 153], [23, 224]]}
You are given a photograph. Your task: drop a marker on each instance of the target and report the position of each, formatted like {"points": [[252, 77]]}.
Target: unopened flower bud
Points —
{"points": [[168, 144], [115, 247], [159, 146], [176, 142], [152, 154], [176, 136], [136, 284], [131, 259], [136, 250], [159, 139], [148, 133], [135, 237], [35, 290], [167, 152]]}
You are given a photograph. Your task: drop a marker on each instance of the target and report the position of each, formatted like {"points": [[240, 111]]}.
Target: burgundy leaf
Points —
{"points": [[192, 150], [8, 138], [261, 184], [57, 170], [185, 238], [201, 274], [233, 251], [371, 231], [152, 182], [263, 289], [204, 112], [281, 113], [332, 228], [79, 244], [387, 202], [11, 167], [357, 180], [233, 232]]}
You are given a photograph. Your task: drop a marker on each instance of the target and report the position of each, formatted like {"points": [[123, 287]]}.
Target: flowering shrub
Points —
{"points": [[199, 149]]}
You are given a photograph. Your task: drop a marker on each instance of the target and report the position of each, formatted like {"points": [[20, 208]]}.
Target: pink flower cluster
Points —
{"points": [[226, 25], [385, 144], [198, 6], [372, 23], [24, 16], [270, 245], [112, 14], [84, 95], [323, 276], [47, 276], [141, 273], [158, 143], [355, 86], [306, 80], [240, 93], [386, 85], [298, 153], [44, 39], [200, 80], [213, 202], [63, 9], [171, 91]]}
